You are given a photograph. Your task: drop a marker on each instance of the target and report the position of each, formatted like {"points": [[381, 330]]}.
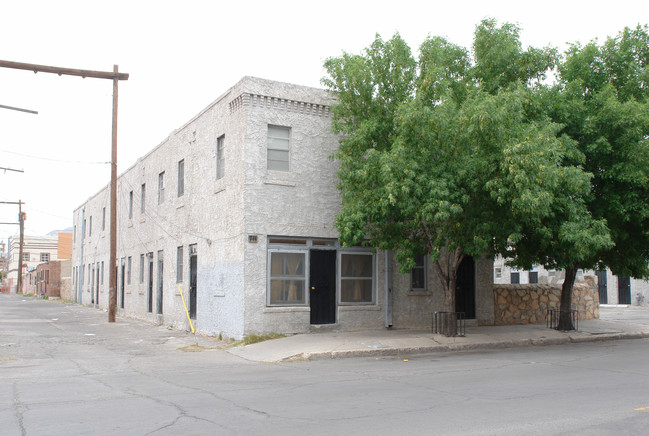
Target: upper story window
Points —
{"points": [[25, 257], [143, 198], [220, 157], [90, 226], [533, 277], [515, 278], [103, 218], [130, 205], [278, 148], [45, 257], [181, 178], [418, 274], [161, 187]]}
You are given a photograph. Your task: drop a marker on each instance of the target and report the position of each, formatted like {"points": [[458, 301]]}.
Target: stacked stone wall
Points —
{"points": [[529, 304]]}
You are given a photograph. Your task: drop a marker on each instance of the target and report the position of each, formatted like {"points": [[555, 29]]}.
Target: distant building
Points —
{"points": [[36, 250], [51, 279], [3, 256]]}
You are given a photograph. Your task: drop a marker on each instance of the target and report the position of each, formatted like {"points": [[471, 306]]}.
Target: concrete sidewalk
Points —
{"points": [[616, 322]]}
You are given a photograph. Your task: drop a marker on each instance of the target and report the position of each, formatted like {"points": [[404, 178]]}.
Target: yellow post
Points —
{"points": [[186, 311]]}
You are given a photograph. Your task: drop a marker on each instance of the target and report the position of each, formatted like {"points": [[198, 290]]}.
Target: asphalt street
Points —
{"points": [[65, 371]]}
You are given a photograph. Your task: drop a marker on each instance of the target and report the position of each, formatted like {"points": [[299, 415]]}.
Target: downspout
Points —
{"points": [[388, 289]]}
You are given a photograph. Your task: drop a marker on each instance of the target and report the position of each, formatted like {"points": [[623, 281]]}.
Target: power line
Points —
{"points": [[52, 159]]}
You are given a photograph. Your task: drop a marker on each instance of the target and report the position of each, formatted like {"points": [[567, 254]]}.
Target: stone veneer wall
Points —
{"points": [[528, 304]]}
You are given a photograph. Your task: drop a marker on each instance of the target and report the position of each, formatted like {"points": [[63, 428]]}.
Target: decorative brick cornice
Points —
{"points": [[264, 101]]}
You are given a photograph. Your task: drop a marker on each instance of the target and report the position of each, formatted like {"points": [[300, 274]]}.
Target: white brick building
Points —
{"points": [[236, 209]]}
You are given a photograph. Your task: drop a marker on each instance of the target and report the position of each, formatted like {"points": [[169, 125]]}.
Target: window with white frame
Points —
{"points": [[143, 198], [45, 257], [418, 274], [278, 148], [498, 271], [356, 277], [142, 268], [181, 178], [220, 157], [179, 264], [287, 276], [161, 187], [90, 226], [25, 257], [130, 205], [128, 271]]}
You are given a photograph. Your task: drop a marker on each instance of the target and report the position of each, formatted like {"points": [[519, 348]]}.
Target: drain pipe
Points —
{"points": [[388, 289]]}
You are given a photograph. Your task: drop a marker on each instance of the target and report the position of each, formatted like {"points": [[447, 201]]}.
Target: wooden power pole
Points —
{"points": [[115, 76]]}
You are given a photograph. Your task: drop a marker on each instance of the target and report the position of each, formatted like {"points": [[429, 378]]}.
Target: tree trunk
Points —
{"points": [[565, 313]]}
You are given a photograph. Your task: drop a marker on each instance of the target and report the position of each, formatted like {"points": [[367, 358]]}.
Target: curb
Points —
{"points": [[342, 354]]}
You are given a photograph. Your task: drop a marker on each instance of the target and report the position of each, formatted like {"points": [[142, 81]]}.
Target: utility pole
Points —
{"points": [[115, 76], [21, 222]]}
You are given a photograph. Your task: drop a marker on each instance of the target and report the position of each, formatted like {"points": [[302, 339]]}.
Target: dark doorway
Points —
{"points": [[121, 286], [193, 263], [322, 273], [150, 284], [97, 287], [624, 290], [160, 282], [465, 288], [601, 287]]}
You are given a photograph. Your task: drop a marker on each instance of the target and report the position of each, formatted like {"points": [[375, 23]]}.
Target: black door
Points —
{"points": [[121, 288], [322, 273], [601, 287], [624, 290], [465, 288], [160, 282], [150, 287], [193, 262]]}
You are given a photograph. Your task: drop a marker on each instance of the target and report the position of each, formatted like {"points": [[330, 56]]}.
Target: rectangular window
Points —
{"points": [[128, 271], [141, 268], [181, 178], [179, 265], [278, 148], [74, 234], [142, 198], [418, 274], [498, 272], [130, 205], [220, 157], [103, 218], [161, 187], [25, 257], [515, 278], [90, 226], [356, 278], [287, 278], [102, 272], [45, 257], [534, 277]]}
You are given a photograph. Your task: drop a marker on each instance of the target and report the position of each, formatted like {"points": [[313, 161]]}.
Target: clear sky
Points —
{"points": [[181, 55]]}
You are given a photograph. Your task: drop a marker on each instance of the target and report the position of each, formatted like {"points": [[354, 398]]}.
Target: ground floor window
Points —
{"points": [[287, 278], [356, 278], [290, 271]]}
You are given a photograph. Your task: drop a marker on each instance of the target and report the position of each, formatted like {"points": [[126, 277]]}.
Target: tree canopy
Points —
{"points": [[439, 155]]}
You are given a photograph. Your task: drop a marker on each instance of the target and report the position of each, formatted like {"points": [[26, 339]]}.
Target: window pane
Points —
{"points": [[287, 291], [277, 143], [418, 278], [356, 291], [278, 165], [278, 132], [356, 265]]}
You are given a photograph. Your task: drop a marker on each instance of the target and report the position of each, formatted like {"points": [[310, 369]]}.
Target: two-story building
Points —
{"points": [[232, 217]]}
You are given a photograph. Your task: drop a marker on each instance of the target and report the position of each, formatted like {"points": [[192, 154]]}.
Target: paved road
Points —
{"points": [[64, 371]]}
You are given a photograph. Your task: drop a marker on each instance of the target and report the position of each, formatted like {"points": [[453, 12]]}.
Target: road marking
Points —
{"points": [[641, 408]]}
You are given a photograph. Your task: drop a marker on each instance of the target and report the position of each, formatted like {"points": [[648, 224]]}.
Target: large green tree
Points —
{"points": [[447, 154], [602, 100]]}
